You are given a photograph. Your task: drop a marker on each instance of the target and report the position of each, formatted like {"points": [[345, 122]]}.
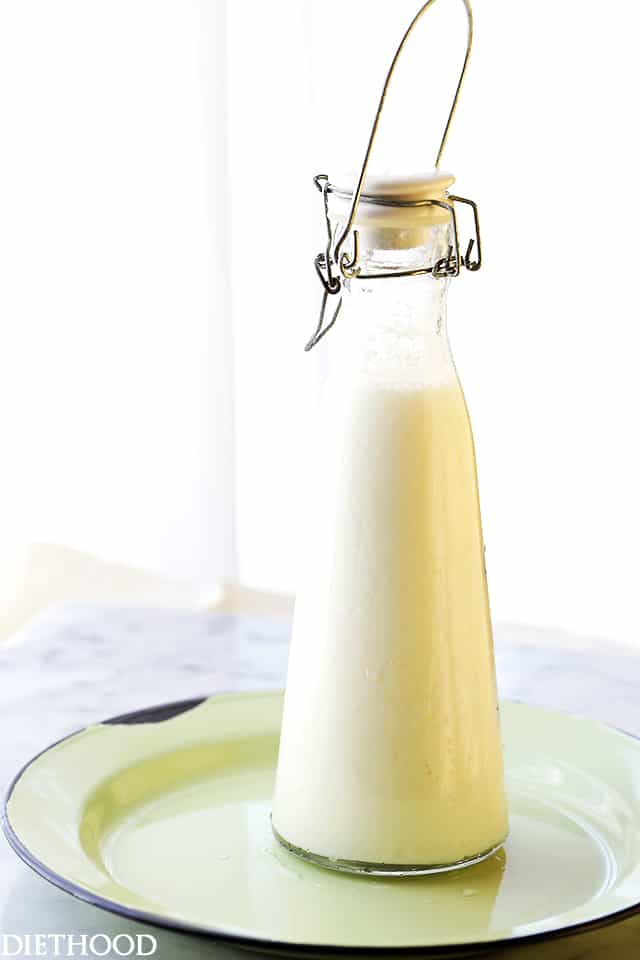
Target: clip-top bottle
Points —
{"points": [[390, 756]]}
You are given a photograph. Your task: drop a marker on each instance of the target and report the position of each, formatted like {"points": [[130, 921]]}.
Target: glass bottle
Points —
{"points": [[390, 758]]}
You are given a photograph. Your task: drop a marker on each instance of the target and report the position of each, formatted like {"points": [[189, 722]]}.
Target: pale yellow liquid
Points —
{"points": [[391, 750]]}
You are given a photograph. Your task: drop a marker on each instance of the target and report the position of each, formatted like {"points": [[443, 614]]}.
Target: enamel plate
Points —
{"points": [[164, 816]]}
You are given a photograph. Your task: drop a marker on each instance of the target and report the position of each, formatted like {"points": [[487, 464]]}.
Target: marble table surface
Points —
{"points": [[79, 664]]}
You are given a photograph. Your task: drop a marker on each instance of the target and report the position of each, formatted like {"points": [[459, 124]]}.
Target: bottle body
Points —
{"points": [[390, 758]]}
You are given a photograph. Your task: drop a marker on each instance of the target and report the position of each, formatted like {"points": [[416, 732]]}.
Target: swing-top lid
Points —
{"points": [[394, 210]]}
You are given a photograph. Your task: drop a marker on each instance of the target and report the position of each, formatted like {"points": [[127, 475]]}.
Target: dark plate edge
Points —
{"points": [[155, 714], [162, 712]]}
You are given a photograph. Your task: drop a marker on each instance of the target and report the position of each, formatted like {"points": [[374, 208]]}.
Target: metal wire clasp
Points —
{"points": [[334, 265]]}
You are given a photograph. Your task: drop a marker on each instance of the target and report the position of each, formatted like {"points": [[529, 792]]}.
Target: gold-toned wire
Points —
{"points": [[376, 123]]}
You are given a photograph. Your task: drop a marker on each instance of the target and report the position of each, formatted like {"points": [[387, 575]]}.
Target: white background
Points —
{"points": [[157, 229]]}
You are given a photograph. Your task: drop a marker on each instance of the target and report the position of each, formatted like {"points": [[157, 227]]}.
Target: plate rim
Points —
{"points": [[166, 711]]}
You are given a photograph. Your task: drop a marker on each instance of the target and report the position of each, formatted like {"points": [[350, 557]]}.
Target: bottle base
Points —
{"points": [[382, 869]]}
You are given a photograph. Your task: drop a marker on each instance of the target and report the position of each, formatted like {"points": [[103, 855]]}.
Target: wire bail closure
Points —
{"points": [[334, 264]]}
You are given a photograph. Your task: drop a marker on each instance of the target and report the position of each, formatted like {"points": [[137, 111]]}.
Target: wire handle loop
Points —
{"points": [[376, 123]]}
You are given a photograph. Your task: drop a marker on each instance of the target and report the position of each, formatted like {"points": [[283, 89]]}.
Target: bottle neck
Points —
{"points": [[393, 331]]}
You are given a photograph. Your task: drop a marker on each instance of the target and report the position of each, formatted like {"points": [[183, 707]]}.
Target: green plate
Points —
{"points": [[164, 816]]}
